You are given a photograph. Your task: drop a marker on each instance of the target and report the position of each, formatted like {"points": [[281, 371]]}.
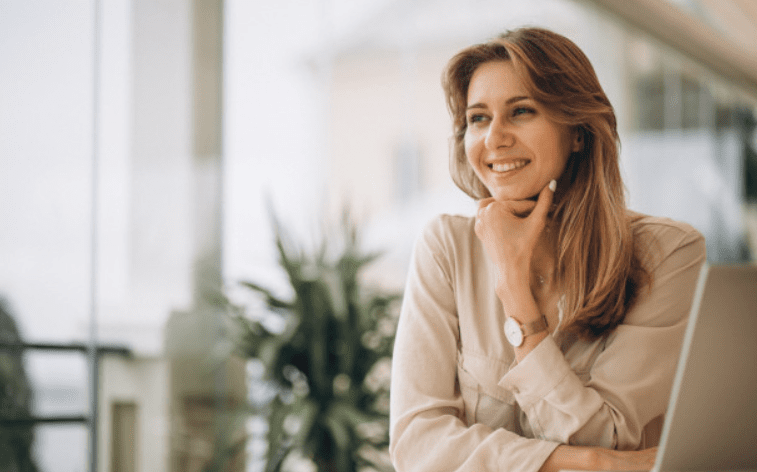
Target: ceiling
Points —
{"points": [[736, 19], [720, 34]]}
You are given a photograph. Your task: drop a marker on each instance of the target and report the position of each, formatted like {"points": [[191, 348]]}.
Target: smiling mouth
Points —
{"points": [[509, 166]]}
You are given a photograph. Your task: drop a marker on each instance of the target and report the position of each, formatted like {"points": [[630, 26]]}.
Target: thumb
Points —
{"points": [[484, 202], [545, 201]]}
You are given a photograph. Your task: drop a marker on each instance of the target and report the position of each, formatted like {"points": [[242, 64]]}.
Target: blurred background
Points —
{"points": [[143, 142]]}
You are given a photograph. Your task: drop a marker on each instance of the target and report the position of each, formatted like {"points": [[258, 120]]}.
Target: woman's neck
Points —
{"points": [[544, 262]]}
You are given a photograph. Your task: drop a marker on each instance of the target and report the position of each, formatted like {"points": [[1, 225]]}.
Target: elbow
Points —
{"points": [[400, 446], [415, 448], [396, 443]]}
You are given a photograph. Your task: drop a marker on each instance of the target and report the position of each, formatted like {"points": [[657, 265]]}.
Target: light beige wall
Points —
{"points": [[375, 100]]}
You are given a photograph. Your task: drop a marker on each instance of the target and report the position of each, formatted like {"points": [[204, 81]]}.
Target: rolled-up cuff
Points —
{"points": [[537, 374]]}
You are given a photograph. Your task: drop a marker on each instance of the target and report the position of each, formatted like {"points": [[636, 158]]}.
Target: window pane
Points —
{"points": [[68, 439], [45, 204]]}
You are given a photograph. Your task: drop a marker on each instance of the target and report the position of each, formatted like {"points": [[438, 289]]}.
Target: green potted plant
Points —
{"points": [[327, 363], [16, 442]]}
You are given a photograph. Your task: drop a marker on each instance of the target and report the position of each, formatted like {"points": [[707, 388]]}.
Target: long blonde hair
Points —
{"points": [[597, 261]]}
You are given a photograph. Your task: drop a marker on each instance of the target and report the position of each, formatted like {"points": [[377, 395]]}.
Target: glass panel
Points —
{"points": [[59, 383], [686, 156], [651, 109], [61, 447], [45, 204], [45, 141]]}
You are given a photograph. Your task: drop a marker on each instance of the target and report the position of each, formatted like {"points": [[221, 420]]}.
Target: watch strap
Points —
{"points": [[535, 326]]}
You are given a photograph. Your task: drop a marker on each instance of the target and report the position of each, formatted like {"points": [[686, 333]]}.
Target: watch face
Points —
{"points": [[513, 332]]}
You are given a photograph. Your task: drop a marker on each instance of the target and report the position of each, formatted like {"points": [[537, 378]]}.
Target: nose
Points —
{"points": [[499, 135]]}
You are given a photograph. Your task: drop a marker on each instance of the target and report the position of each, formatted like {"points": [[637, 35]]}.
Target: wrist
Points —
{"points": [[518, 302], [512, 289]]}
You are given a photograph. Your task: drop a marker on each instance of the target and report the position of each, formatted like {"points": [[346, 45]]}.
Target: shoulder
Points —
{"points": [[657, 238], [448, 231], [673, 253], [447, 241]]}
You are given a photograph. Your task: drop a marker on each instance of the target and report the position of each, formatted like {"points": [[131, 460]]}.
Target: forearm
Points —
{"points": [[570, 457], [595, 458], [432, 442]]}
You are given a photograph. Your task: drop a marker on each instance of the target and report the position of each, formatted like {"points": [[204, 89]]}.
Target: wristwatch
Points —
{"points": [[516, 332]]}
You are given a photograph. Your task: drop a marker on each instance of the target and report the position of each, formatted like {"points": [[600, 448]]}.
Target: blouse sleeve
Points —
{"points": [[630, 381], [427, 430]]}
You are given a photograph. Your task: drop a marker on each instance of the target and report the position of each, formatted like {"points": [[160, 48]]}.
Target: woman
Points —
{"points": [[543, 333]]}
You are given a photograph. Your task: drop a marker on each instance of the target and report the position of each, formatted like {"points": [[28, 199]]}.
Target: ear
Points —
{"points": [[577, 141]]}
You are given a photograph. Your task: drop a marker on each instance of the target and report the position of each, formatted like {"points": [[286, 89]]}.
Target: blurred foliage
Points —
{"points": [[15, 399], [746, 124], [325, 356]]}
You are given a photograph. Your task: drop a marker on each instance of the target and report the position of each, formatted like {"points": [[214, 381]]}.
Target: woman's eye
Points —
{"points": [[472, 119], [522, 111]]}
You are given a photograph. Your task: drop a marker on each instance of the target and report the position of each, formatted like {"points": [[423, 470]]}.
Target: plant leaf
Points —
{"points": [[271, 299]]}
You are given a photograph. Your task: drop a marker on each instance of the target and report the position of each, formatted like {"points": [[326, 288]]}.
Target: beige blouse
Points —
{"points": [[460, 402]]}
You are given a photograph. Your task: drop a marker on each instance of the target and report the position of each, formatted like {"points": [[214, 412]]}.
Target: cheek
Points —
{"points": [[558, 150]]}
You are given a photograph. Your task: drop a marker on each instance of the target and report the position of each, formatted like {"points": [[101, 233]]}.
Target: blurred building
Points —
{"points": [[198, 112]]}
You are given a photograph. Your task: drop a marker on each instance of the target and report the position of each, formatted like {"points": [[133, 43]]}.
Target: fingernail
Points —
{"points": [[553, 185]]}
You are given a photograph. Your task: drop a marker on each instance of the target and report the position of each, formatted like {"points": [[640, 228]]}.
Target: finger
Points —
{"points": [[545, 201], [519, 208], [484, 202]]}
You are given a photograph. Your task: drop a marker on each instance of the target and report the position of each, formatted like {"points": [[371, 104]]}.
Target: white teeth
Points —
{"points": [[509, 166]]}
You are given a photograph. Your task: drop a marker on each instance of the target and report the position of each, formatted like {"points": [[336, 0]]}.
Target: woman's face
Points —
{"points": [[510, 141]]}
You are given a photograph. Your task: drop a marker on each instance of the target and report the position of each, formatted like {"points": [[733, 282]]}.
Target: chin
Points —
{"points": [[514, 196]]}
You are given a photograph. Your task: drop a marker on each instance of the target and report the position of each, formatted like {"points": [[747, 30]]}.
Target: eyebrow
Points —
{"points": [[509, 101]]}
